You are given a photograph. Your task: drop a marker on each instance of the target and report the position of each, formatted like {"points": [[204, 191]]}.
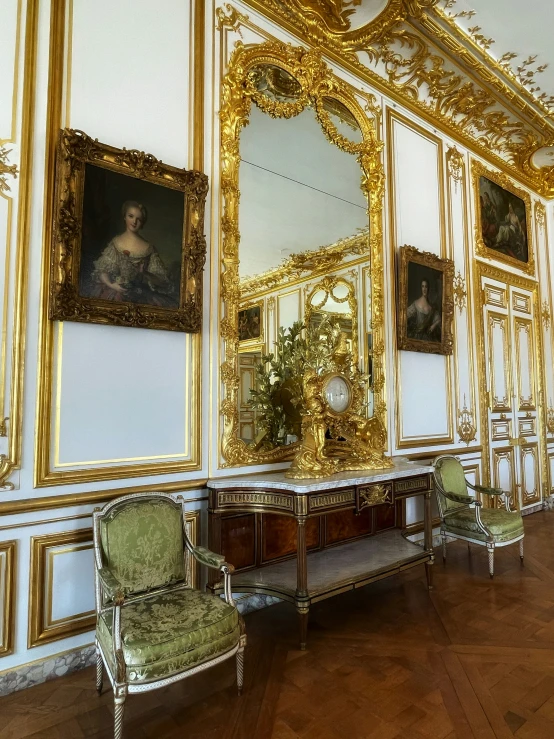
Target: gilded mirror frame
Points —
{"points": [[316, 82]]}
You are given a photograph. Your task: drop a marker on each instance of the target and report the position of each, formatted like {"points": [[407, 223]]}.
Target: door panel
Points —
{"points": [[529, 463], [523, 331], [499, 366]]}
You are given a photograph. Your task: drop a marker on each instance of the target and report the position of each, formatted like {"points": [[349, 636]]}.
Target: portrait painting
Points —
{"points": [[426, 303], [503, 229], [250, 324], [135, 253]]}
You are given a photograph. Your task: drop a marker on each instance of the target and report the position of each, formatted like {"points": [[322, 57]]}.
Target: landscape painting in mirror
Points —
{"points": [[425, 302]]}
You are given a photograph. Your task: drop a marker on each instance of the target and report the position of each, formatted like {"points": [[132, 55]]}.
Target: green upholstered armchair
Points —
{"points": [[463, 517], [152, 628]]}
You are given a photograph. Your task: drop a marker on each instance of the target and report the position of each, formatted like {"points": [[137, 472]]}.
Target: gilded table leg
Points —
{"points": [[302, 580]]}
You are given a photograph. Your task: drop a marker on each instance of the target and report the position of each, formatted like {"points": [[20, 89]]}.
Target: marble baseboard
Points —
{"points": [[26, 676], [549, 503], [246, 603]]}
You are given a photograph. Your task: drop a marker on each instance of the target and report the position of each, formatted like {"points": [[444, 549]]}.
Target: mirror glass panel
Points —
{"points": [[302, 215]]}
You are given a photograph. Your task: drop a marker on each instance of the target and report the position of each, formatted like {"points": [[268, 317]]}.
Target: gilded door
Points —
{"points": [[510, 343]]}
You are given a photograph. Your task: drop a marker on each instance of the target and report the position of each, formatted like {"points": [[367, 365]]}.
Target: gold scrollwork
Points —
{"points": [[315, 82], [459, 292], [6, 169], [455, 161], [230, 18], [540, 214], [467, 430], [479, 170], [374, 495]]}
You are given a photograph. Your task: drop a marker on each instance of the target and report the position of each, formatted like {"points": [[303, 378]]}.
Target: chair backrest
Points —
{"points": [[141, 541], [449, 476]]}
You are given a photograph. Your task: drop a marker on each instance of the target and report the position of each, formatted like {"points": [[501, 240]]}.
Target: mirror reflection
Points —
{"points": [[302, 215]]}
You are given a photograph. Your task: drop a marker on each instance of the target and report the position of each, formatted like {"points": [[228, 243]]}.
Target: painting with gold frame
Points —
{"points": [[128, 241], [503, 219], [425, 302], [250, 325]]}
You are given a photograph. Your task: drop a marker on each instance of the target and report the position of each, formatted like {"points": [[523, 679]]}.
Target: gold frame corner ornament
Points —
{"points": [[316, 81], [479, 170]]}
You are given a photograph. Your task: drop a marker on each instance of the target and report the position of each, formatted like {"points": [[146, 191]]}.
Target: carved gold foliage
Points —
{"points": [[545, 315], [230, 18], [467, 430], [6, 169], [455, 162], [459, 291], [540, 214], [315, 82]]}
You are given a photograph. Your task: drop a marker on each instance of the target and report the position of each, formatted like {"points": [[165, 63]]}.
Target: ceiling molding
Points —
{"points": [[421, 58]]}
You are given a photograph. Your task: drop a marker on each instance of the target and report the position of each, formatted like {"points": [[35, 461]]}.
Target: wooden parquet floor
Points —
{"points": [[472, 660]]}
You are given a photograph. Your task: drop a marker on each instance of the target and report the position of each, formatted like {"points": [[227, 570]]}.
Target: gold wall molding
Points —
{"points": [[12, 460], [51, 502], [460, 292], [6, 169], [42, 627], [44, 475], [466, 94], [316, 82], [8, 570], [545, 314]]}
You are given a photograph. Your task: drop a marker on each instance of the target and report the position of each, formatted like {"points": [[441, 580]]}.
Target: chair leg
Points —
{"points": [[490, 550], [521, 550], [444, 547], [99, 672], [119, 708], [240, 670]]}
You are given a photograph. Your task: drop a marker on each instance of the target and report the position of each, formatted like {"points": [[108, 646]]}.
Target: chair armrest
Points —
{"points": [[111, 585], [467, 499], [485, 490], [210, 559]]}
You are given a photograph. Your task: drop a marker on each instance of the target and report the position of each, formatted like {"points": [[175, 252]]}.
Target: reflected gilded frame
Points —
{"points": [[328, 285], [479, 170], [316, 82]]}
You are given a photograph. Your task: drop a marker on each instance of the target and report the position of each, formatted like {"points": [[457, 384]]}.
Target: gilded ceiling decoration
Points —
{"points": [[416, 52]]}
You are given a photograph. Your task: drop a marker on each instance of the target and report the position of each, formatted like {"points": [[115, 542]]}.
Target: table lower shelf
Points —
{"points": [[337, 569]]}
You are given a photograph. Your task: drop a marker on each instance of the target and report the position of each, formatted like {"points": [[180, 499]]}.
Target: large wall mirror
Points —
{"points": [[302, 182]]}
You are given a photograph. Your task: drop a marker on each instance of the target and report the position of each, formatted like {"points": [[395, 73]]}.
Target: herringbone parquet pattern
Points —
{"points": [[473, 660]]}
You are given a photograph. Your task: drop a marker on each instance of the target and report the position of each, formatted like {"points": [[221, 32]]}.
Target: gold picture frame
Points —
{"points": [[102, 269], [502, 208], [425, 302], [251, 325]]}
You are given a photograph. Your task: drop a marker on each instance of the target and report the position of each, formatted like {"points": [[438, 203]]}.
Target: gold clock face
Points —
{"points": [[338, 393]]}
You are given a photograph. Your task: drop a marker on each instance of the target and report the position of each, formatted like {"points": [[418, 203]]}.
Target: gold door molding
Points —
{"points": [[530, 491], [523, 330], [497, 323], [8, 570], [480, 301]]}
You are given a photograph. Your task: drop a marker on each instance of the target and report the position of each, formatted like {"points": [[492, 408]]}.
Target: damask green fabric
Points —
{"points": [[503, 526], [208, 558], [167, 633], [488, 491], [450, 474], [142, 544]]}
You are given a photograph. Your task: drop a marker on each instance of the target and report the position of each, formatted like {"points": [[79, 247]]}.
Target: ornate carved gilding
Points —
{"points": [[316, 84]]}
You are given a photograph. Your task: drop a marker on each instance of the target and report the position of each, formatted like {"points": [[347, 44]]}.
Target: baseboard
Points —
{"points": [[34, 673]]}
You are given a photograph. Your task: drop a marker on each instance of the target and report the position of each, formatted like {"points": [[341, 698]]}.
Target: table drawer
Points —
{"points": [[411, 486], [372, 495]]}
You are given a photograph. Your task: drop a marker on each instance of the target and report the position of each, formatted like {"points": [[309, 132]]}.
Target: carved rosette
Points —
{"points": [[315, 82]]}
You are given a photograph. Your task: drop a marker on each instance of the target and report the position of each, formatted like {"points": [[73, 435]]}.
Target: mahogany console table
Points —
{"points": [[307, 540]]}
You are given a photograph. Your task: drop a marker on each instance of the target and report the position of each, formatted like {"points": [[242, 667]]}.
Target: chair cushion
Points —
{"points": [[142, 544], [167, 633], [504, 526]]}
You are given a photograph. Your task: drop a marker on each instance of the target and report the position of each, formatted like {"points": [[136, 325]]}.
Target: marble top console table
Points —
{"points": [[307, 540]]}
